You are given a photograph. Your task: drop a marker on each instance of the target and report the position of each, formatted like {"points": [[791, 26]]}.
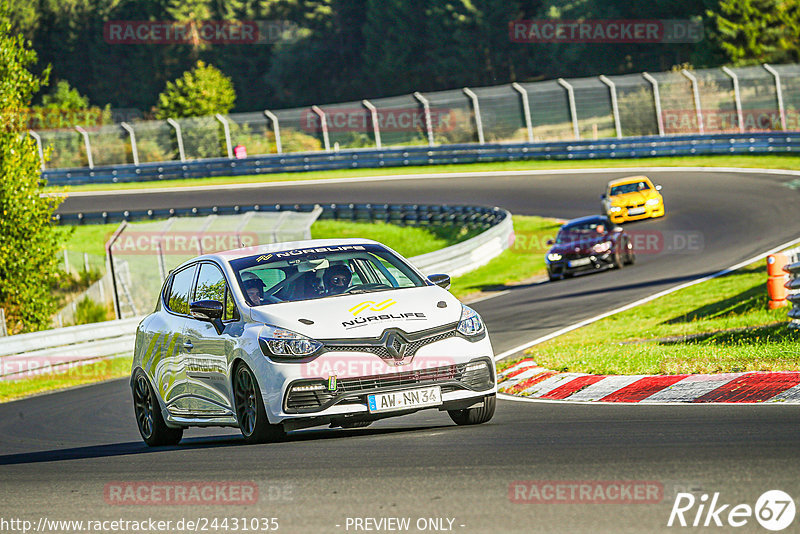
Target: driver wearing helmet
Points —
{"points": [[254, 289], [337, 279]]}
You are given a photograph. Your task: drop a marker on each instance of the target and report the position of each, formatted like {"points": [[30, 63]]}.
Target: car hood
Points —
{"points": [[636, 197], [582, 245], [364, 314]]}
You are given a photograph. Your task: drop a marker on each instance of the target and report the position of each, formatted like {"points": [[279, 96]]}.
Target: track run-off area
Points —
{"points": [[60, 453]]}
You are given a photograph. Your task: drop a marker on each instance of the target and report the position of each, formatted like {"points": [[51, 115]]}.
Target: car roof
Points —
{"points": [[235, 254], [628, 180], [588, 218]]}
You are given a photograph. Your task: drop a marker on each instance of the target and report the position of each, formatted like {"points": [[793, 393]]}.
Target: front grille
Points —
{"points": [[354, 390], [381, 350]]}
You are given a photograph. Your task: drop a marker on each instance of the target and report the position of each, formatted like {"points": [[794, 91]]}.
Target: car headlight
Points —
{"points": [[614, 209], [276, 341], [602, 247], [554, 256], [652, 202], [470, 323]]}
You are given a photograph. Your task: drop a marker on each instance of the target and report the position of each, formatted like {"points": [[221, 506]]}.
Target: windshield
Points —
{"points": [[579, 231], [321, 272], [629, 188]]}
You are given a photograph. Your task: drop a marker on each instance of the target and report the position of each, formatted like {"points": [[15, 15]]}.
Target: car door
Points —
{"points": [[206, 356], [170, 371]]}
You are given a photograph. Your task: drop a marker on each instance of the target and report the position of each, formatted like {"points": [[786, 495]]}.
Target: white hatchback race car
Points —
{"points": [[294, 335]]}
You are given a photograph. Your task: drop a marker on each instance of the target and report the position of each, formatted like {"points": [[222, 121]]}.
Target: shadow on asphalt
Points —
{"points": [[210, 442]]}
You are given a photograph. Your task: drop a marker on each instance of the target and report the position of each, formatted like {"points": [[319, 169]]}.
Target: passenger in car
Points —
{"points": [[337, 279]]}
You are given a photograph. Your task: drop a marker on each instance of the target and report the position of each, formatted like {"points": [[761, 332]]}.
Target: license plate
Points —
{"points": [[635, 211], [579, 262], [403, 400]]}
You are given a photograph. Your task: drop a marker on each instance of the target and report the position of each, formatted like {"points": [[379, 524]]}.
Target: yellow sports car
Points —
{"points": [[631, 199]]}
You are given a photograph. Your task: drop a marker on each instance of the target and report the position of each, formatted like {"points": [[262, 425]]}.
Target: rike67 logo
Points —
{"points": [[774, 510]]}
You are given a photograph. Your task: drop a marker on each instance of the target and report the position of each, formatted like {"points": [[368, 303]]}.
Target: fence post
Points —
{"points": [[226, 128], [778, 94], [426, 106], [376, 128], [87, 145], [612, 89], [696, 94], [39, 148], [66, 261], [737, 97], [572, 111], [110, 268], [179, 137], [324, 122], [132, 135], [656, 102], [476, 108], [526, 109], [276, 128], [3, 327]]}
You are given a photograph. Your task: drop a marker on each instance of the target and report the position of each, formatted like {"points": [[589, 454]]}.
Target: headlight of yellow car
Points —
{"points": [[615, 209], [653, 202]]}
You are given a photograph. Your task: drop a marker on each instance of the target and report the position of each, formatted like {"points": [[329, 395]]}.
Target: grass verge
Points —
{"points": [[766, 161], [721, 325], [76, 376]]}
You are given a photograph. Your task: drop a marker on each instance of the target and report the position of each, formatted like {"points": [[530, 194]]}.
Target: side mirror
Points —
{"points": [[550, 243], [603, 196], [658, 188], [441, 280], [208, 310]]}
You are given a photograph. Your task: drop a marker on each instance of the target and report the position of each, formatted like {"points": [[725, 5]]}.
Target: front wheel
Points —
{"points": [[152, 427], [475, 416], [250, 411]]}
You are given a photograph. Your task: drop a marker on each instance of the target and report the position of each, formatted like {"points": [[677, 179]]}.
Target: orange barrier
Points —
{"points": [[776, 280]]}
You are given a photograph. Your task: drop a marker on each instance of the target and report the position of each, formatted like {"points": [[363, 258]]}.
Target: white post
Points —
{"points": [[612, 89], [779, 94], [476, 108], [85, 262], [376, 128], [66, 261], [179, 137], [134, 149], [324, 122], [572, 110], [276, 128], [526, 109], [426, 106], [227, 129], [696, 93], [87, 145], [656, 102], [737, 97], [39, 148], [3, 327]]}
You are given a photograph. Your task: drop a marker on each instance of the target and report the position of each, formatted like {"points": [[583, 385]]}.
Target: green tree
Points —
{"points": [[200, 92], [750, 32], [29, 243], [64, 97]]}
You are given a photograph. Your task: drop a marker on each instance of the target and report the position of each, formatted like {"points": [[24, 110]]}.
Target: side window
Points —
{"points": [[178, 298], [211, 286]]}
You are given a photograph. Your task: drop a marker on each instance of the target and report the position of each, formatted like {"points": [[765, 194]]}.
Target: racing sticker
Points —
{"points": [[369, 319], [371, 305]]}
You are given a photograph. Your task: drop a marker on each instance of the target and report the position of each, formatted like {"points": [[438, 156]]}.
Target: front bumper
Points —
{"points": [[590, 262], [349, 377], [625, 215]]}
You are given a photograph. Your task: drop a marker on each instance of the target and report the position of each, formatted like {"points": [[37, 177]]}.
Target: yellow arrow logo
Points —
{"points": [[372, 306]]}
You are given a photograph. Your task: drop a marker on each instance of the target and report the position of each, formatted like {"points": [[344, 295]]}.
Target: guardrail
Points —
{"points": [[628, 147], [26, 355], [793, 285], [57, 349]]}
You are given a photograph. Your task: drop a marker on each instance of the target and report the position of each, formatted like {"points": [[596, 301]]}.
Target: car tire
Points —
{"points": [[153, 429], [617, 262], [250, 411], [553, 277], [475, 416]]}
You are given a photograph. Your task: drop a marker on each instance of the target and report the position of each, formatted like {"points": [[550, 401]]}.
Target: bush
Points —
{"points": [[88, 311], [200, 92]]}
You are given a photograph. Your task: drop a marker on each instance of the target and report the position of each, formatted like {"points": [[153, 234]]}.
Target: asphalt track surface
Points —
{"points": [[58, 451]]}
